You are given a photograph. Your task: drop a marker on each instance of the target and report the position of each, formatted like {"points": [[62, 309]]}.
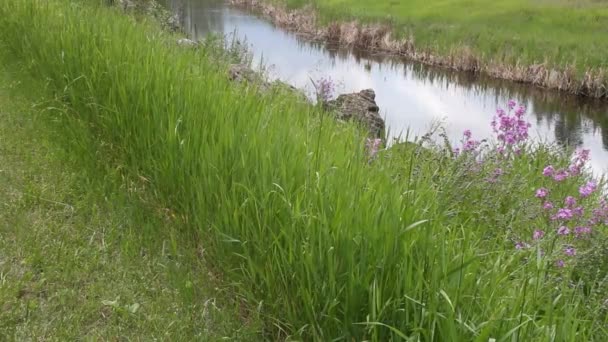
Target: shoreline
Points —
{"points": [[379, 38]]}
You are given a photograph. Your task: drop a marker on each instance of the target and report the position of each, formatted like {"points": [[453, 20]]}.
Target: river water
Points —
{"points": [[410, 96]]}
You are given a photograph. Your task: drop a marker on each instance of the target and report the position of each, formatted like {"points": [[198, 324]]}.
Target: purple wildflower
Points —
{"points": [[538, 234], [542, 193], [325, 89], [560, 263], [581, 157], [548, 171], [570, 251], [510, 130], [600, 214], [511, 104], [574, 170], [547, 205], [582, 231], [563, 214], [561, 175], [563, 230], [470, 145], [570, 201], [587, 189]]}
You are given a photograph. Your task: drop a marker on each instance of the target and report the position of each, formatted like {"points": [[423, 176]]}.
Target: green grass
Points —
{"points": [[81, 259], [559, 32], [316, 240]]}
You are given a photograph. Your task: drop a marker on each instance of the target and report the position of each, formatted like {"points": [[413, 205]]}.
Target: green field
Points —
{"points": [[560, 33], [265, 203]]}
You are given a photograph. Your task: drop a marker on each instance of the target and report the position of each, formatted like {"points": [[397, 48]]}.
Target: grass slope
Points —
{"points": [[80, 258], [323, 242], [559, 32]]}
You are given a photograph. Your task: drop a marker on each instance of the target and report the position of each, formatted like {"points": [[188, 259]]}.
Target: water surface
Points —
{"points": [[410, 95]]}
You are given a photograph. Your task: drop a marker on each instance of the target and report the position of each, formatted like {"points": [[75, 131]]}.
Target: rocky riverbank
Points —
{"points": [[359, 107]]}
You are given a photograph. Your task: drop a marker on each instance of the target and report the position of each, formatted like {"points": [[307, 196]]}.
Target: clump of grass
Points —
{"points": [[325, 241]]}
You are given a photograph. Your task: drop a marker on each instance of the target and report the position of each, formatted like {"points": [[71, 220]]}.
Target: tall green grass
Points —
{"points": [[323, 243], [83, 259]]}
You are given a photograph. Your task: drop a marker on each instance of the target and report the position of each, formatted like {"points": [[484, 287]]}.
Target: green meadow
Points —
{"points": [[559, 33]]}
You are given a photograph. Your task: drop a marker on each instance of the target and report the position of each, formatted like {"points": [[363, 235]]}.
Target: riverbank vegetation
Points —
{"points": [[320, 235], [81, 255], [554, 44]]}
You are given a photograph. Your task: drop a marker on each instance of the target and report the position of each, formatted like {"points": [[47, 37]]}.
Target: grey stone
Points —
{"points": [[360, 107], [242, 73]]}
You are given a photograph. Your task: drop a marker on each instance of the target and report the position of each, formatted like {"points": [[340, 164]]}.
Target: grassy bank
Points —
{"points": [[555, 44], [562, 33], [81, 256], [321, 240]]}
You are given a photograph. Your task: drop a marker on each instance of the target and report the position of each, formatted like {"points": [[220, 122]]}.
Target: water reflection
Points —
{"points": [[410, 95]]}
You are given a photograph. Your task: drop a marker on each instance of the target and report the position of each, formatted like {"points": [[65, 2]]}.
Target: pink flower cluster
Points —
{"points": [[512, 131], [600, 214], [325, 89], [510, 127], [587, 189], [580, 159], [572, 222], [568, 221], [469, 144]]}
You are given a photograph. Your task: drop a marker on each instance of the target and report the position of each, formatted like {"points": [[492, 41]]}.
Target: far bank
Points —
{"points": [[553, 45]]}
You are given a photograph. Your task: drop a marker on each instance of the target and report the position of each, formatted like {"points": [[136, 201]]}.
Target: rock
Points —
{"points": [[242, 73], [186, 42], [362, 108]]}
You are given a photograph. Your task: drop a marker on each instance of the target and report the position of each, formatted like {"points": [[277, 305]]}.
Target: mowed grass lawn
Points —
{"points": [[559, 32]]}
